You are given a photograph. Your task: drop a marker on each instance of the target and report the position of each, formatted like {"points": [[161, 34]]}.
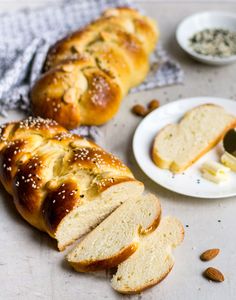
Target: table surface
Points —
{"points": [[30, 268]]}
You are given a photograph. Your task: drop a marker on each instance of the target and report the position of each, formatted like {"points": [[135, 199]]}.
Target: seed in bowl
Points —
{"points": [[215, 42]]}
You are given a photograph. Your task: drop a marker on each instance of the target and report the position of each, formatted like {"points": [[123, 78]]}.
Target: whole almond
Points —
{"points": [[214, 274], [153, 104], [209, 254], [67, 68], [139, 110], [70, 95]]}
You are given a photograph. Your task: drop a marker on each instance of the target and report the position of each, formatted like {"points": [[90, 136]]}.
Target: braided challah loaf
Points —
{"points": [[88, 73], [61, 183]]}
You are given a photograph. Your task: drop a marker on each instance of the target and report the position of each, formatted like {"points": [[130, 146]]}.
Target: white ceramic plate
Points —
{"points": [[200, 21], [190, 182]]}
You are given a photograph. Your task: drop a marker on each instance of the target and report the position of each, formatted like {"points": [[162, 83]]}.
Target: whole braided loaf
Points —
{"points": [[89, 72], [61, 183]]}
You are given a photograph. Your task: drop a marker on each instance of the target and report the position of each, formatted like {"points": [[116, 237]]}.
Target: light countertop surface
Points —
{"points": [[31, 268]]}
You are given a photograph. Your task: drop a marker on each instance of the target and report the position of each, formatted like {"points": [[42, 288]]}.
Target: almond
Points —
{"points": [[139, 110], [153, 105], [209, 254], [70, 95], [67, 68], [214, 274]]}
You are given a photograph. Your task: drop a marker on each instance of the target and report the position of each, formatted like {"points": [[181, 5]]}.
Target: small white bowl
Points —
{"points": [[204, 20]]}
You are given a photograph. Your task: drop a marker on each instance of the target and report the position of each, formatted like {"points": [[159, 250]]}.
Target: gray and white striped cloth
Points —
{"points": [[26, 35]]}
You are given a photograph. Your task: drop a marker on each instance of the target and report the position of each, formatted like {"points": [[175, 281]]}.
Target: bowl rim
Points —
{"points": [[190, 51]]}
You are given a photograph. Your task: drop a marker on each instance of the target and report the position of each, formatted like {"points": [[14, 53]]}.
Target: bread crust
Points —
{"points": [[89, 266], [152, 226], [87, 73], [39, 162], [171, 165], [153, 282], [113, 261], [143, 288]]}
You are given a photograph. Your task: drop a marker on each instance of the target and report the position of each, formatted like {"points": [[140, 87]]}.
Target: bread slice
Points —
{"points": [[178, 146], [84, 218], [152, 261], [118, 236]]}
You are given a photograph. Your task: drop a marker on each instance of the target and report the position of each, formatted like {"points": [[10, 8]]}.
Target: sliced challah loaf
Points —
{"points": [[152, 261], [88, 73], [177, 146], [61, 183], [118, 236]]}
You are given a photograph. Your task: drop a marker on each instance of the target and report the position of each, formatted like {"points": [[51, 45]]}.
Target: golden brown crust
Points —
{"points": [[147, 286], [59, 202], [152, 226], [50, 171], [113, 261], [88, 73], [173, 168], [68, 103], [90, 266], [154, 154], [8, 158]]}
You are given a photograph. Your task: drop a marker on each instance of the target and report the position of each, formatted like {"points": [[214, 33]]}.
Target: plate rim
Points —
{"points": [[215, 100]]}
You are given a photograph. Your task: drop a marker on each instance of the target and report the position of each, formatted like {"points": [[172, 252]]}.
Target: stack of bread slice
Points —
{"points": [[136, 240]]}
